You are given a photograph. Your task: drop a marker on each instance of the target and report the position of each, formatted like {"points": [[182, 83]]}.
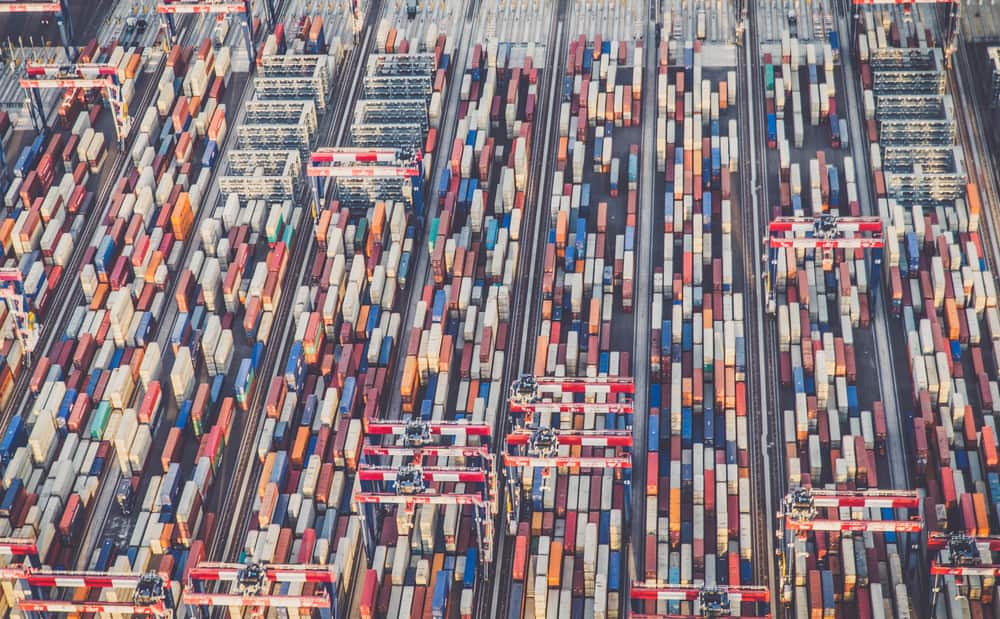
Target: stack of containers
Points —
{"points": [[245, 246], [575, 534], [347, 323], [99, 387], [459, 334], [941, 286], [53, 183], [698, 522], [833, 420]]}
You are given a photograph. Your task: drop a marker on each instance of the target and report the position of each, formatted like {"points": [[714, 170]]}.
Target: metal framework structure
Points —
{"points": [[419, 433], [62, 13], [951, 36], [151, 596], [530, 395], [12, 293], [826, 233], [404, 166], [715, 601], [253, 581], [965, 557], [531, 445], [407, 485], [538, 448], [801, 515], [168, 8], [81, 75]]}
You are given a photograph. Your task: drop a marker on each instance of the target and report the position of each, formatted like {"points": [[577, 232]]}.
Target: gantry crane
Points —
{"points": [[419, 433], [801, 515], [366, 162], [965, 557], [954, 15], [538, 448], [81, 75], [530, 395], [12, 293], [253, 581], [826, 233], [713, 601], [408, 486], [62, 13], [168, 8], [533, 445], [151, 595]]}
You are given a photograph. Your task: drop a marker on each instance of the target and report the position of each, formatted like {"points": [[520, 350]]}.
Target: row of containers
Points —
{"points": [[456, 346], [53, 180], [97, 403], [153, 313], [941, 288], [318, 472], [843, 550], [698, 529], [572, 519]]}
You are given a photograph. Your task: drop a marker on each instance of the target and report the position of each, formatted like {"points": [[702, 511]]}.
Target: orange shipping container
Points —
{"points": [[555, 563], [181, 216], [951, 318]]}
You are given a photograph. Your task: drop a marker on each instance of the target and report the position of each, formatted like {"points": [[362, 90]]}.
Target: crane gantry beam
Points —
{"points": [[253, 582], [61, 11], [403, 164], [168, 8], [79, 75], [825, 233]]}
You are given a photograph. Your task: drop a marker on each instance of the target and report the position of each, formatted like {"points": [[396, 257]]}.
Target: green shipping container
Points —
{"points": [[99, 422]]}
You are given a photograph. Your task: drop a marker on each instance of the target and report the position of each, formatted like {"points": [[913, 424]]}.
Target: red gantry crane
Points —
{"points": [[168, 8], [253, 581], [965, 557], [364, 162], [531, 445], [717, 601], [801, 515], [62, 13], [951, 36], [408, 485], [151, 595], [81, 75], [825, 233], [530, 395], [12, 293]]}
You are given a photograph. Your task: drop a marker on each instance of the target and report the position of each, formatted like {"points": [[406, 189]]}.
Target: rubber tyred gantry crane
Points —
{"points": [[826, 233], [718, 601], [538, 448], [408, 486], [151, 595], [801, 515], [530, 395], [954, 15], [253, 582], [364, 162], [417, 433], [81, 75], [62, 13], [968, 555], [12, 293], [168, 8]]}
